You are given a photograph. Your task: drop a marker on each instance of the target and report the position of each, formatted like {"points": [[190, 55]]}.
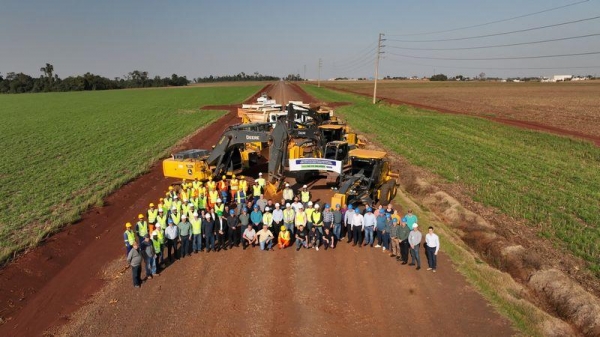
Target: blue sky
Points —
{"points": [[200, 38]]}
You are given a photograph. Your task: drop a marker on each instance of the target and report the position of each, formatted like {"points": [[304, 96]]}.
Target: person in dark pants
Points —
{"points": [[348, 217], [357, 228], [172, 235], [232, 223], [414, 239], [134, 259], [402, 233], [221, 229], [208, 232], [185, 234], [432, 246]]}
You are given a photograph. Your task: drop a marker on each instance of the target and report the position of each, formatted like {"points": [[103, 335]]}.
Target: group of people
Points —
{"points": [[190, 219]]}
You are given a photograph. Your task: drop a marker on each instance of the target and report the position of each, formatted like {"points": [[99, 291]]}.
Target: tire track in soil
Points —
{"points": [[44, 286]]}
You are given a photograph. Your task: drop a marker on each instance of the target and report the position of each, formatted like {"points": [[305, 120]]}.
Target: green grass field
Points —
{"points": [[62, 152], [550, 181]]}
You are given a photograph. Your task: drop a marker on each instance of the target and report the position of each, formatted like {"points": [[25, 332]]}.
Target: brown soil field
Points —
{"points": [[570, 107]]}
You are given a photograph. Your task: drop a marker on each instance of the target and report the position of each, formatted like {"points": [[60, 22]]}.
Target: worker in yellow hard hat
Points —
{"points": [[211, 184], [234, 186], [129, 237], [152, 214], [141, 228], [222, 186], [284, 238], [243, 184]]}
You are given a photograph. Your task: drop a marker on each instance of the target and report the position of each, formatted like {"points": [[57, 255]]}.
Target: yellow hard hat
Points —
{"points": [[167, 194], [140, 216], [210, 178], [161, 199], [242, 177], [170, 188], [223, 177], [128, 225], [233, 176], [283, 228], [151, 205]]}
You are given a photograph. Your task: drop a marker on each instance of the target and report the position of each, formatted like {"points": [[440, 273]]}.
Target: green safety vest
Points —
{"points": [[176, 218], [142, 228], [152, 215], [196, 228], [161, 236], [202, 202], [130, 237], [156, 245]]}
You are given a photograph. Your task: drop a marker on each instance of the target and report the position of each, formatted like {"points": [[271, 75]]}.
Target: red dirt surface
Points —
{"points": [[348, 291], [513, 122]]}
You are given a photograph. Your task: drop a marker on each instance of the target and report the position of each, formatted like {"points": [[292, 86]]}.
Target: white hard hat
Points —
{"points": [[317, 206], [219, 200], [183, 216], [415, 225], [287, 184], [175, 197], [304, 186], [160, 210], [191, 204], [196, 214], [277, 204], [157, 225], [267, 209], [207, 215], [310, 203], [174, 208], [260, 173], [288, 205]]}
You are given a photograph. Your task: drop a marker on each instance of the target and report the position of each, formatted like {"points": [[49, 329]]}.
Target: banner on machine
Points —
{"points": [[307, 164]]}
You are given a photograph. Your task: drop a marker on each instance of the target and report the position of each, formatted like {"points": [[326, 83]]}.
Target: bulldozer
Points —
{"points": [[369, 179]]}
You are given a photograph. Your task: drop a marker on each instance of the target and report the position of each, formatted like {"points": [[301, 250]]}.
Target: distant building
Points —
{"points": [[560, 78]]}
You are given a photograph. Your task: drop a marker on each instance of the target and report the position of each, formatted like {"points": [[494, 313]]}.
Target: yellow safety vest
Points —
{"points": [[316, 218], [213, 195], [256, 190], [234, 184], [167, 204], [195, 202], [130, 237], [309, 212], [185, 208], [162, 220], [268, 219], [305, 196], [142, 228], [156, 245], [196, 228], [288, 215], [161, 236], [300, 218], [176, 218], [211, 185], [243, 185], [219, 209], [261, 182], [196, 184], [202, 202], [201, 190], [240, 197], [152, 215]]}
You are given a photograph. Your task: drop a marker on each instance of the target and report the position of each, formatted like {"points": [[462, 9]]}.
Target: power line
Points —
{"points": [[356, 62], [496, 58], [503, 45], [498, 68], [498, 34], [497, 21], [368, 50]]}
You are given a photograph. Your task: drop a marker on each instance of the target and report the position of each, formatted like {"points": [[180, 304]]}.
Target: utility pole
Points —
{"points": [[319, 79], [379, 52], [304, 76]]}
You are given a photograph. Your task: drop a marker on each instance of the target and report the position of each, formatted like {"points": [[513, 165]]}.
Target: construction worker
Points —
{"points": [[172, 194], [185, 208], [234, 186], [267, 218], [177, 203], [305, 196], [196, 184], [222, 185], [196, 233], [160, 237], [240, 200], [201, 189], [243, 184], [232, 224], [317, 219], [370, 222], [161, 218], [183, 194], [348, 218], [309, 211], [210, 184], [288, 194], [219, 207], [157, 252], [191, 210], [129, 237], [288, 218], [202, 201], [261, 181], [256, 191], [277, 219], [141, 228], [283, 239], [208, 232], [185, 233], [337, 222], [213, 195], [194, 200], [300, 218], [358, 227], [167, 204], [175, 216], [172, 236]]}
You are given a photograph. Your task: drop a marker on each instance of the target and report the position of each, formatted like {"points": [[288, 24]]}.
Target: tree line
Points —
{"points": [[48, 81]]}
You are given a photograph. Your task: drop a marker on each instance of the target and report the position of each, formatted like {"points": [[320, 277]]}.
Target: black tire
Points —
{"points": [[386, 193]]}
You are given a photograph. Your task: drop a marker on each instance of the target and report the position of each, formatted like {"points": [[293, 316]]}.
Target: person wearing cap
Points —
{"points": [[414, 239], [185, 234], [297, 204], [402, 233], [177, 203], [172, 235], [314, 238], [300, 218], [337, 222], [267, 218], [256, 191], [261, 181], [249, 237], [159, 235], [149, 255], [141, 228], [305, 196], [288, 194], [256, 217], [394, 241], [309, 209], [240, 199], [152, 214], [328, 239], [328, 218], [232, 224], [288, 218], [432, 246], [129, 237], [221, 229], [410, 219], [196, 232], [134, 259], [244, 221], [261, 202], [265, 238], [283, 239], [348, 218], [369, 222], [208, 232], [358, 226], [381, 221], [301, 237], [277, 219]]}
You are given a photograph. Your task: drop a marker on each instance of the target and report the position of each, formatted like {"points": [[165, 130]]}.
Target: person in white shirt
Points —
{"points": [[369, 222], [296, 205], [348, 221], [358, 226], [432, 246]]}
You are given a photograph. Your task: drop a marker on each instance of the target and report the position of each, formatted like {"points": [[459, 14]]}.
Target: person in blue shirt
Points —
{"points": [[381, 220], [256, 218], [410, 219]]}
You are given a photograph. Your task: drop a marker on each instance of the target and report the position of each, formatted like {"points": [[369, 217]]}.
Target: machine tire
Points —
{"points": [[386, 193]]}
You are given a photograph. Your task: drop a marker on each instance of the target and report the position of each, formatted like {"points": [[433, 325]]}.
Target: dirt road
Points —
{"points": [[344, 292]]}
